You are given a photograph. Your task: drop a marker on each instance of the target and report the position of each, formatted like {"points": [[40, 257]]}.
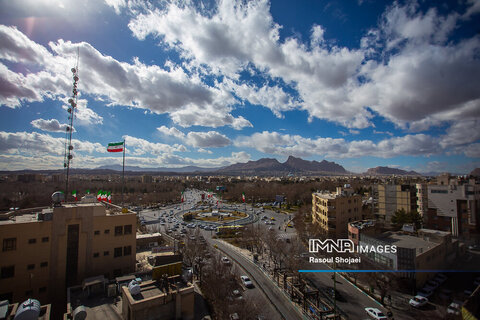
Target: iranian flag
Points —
{"points": [[99, 195], [243, 196], [182, 197], [74, 194], [115, 147], [109, 197]]}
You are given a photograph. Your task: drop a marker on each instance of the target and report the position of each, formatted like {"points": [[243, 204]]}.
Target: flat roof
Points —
{"points": [[149, 235], [407, 241], [435, 232], [325, 195], [22, 218]]}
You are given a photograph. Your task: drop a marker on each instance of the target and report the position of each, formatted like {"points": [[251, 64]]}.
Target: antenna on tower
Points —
{"points": [[69, 130]]}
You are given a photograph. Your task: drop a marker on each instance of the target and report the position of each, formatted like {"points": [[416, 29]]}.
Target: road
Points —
{"points": [[356, 300], [278, 299]]}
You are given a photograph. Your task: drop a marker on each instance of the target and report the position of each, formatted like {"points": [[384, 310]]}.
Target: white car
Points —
{"points": [[418, 301], [226, 261], [247, 282], [376, 314], [454, 308]]}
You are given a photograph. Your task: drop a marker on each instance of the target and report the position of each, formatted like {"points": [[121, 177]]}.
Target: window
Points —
{"points": [[42, 290], [127, 229], [107, 231], [31, 267], [44, 264], [106, 253], [96, 254], [32, 241], [127, 250], [118, 230], [117, 252], [97, 232], [8, 272], [9, 244], [45, 239]]}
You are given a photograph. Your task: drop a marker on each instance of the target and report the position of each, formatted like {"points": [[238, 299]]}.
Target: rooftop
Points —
{"points": [[407, 241], [363, 224], [153, 289], [44, 214]]}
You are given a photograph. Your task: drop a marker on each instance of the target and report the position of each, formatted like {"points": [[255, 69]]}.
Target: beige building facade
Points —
{"points": [[393, 197], [332, 212], [44, 253]]}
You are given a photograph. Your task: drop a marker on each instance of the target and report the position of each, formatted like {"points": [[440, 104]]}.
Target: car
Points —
{"points": [[376, 314], [474, 247], [454, 308], [425, 292], [418, 301], [247, 282], [226, 261]]}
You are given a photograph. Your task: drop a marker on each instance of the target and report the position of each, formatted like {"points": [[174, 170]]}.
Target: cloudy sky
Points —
{"points": [[211, 83]]}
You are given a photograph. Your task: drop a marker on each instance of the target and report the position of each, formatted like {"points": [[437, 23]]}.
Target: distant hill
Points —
{"points": [[297, 164], [378, 171], [292, 165], [475, 172], [117, 167]]}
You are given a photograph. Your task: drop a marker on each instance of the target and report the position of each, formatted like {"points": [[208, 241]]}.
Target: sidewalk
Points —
{"points": [[397, 300]]}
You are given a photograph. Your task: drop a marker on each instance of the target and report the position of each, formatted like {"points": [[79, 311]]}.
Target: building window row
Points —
{"points": [[9, 244], [120, 230], [117, 252], [7, 272]]}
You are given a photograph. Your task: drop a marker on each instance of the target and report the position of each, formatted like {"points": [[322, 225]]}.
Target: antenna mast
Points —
{"points": [[71, 114]]}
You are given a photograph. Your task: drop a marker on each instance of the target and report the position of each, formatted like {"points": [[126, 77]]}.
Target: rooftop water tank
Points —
{"points": [[134, 287], [28, 310]]}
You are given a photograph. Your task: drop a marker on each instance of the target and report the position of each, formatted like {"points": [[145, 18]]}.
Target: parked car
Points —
{"points": [[376, 314], [247, 282], [454, 308], [418, 301]]}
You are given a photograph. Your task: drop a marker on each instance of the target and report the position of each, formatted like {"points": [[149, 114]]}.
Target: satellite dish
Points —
{"points": [[58, 197], [80, 313]]}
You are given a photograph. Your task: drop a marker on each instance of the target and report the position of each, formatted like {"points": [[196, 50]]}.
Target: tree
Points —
{"points": [[400, 217]]}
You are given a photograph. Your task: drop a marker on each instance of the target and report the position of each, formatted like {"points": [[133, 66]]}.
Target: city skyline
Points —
{"points": [[217, 83]]}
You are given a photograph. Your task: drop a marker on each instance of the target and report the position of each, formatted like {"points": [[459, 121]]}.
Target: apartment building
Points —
{"points": [[44, 253], [425, 250], [451, 204], [393, 197], [332, 212]]}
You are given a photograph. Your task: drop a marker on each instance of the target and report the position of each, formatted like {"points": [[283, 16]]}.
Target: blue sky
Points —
{"points": [[211, 83]]}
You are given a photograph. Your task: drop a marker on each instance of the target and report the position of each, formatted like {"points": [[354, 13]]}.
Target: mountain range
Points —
{"points": [[292, 165], [263, 167], [378, 171]]}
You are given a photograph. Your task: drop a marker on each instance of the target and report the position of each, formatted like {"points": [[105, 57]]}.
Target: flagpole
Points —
{"points": [[123, 171]]}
